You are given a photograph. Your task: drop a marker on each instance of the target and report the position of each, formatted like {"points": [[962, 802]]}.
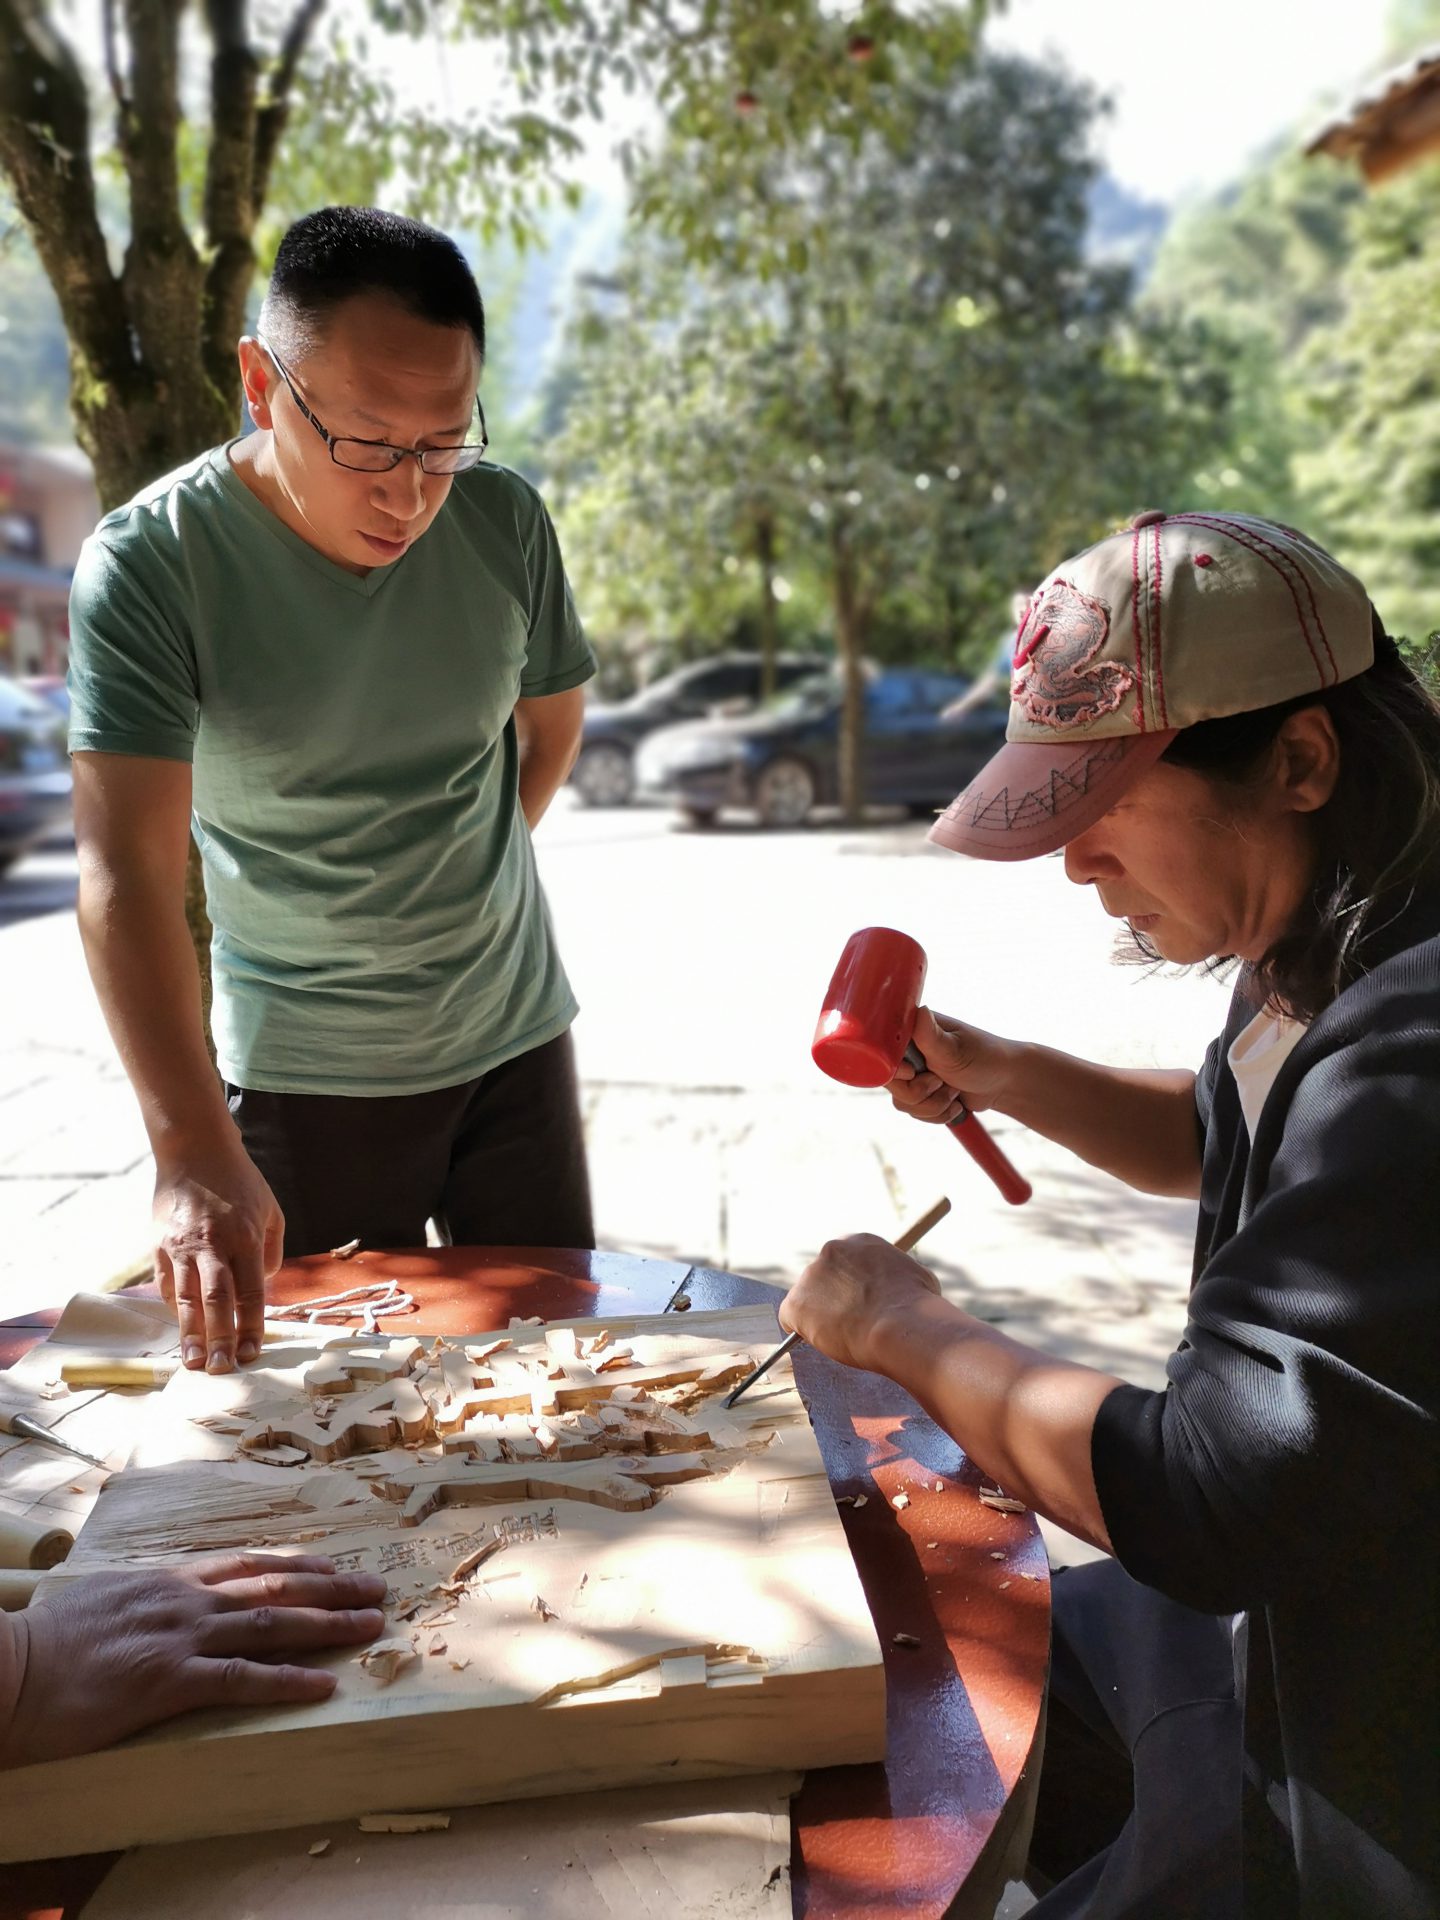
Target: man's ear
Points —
{"points": [[258, 377], [1307, 760]]}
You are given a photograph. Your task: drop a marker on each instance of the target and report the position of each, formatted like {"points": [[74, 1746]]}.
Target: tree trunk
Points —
{"points": [[850, 642], [769, 606], [153, 374]]}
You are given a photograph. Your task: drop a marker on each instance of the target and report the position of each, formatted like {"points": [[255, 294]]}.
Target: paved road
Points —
{"points": [[42, 882]]}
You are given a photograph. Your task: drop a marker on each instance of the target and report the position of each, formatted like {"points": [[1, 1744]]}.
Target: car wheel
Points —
{"points": [[784, 793], [698, 817], [604, 777]]}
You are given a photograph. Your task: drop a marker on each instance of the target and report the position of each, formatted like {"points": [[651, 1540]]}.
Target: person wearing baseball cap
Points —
{"points": [[1209, 720]]}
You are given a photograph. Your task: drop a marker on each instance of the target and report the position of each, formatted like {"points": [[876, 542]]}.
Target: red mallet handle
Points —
{"points": [[980, 1144]]}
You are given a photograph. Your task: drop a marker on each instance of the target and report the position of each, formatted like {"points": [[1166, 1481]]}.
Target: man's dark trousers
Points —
{"points": [[498, 1161]]}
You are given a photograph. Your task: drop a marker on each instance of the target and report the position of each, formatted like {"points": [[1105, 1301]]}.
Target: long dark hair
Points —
{"points": [[1377, 837]]}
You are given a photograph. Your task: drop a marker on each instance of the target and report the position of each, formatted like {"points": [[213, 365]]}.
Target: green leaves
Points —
{"points": [[891, 347]]}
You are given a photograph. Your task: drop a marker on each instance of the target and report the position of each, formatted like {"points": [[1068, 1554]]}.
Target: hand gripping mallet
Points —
{"points": [[911, 1237], [865, 1029]]}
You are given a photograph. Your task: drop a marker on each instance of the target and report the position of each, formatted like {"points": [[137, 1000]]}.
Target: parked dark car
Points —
{"points": [[34, 772], [604, 774], [784, 761]]}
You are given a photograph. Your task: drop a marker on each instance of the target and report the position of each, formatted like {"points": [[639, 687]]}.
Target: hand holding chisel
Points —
{"points": [[911, 1237]]}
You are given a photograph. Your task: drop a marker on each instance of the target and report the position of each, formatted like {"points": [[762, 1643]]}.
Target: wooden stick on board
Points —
{"points": [[911, 1237], [30, 1543]]}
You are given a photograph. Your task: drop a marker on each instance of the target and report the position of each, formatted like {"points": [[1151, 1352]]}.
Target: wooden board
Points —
{"points": [[701, 1850], [51, 1488], [661, 1589]]}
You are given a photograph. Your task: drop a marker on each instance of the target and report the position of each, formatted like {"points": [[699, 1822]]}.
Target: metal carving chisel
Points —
{"points": [[24, 1428]]}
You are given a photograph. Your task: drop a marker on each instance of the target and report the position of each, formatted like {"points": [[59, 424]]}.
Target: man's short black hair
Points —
{"points": [[328, 257]]}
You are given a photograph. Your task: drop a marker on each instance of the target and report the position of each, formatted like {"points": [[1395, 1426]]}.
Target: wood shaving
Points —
{"points": [[621, 1357], [347, 1252], [543, 1608], [861, 1500], [1001, 1502], [277, 1456], [532, 1320], [599, 1343], [903, 1640], [901, 1500], [437, 1643], [939, 1486], [998, 1554], [387, 1658], [317, 1847], [1003, 1585], [459, 1666], [404, 1822], [471, 1561], [932, 1544]]}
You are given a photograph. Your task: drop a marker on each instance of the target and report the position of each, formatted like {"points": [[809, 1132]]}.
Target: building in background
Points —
{"points": [[1393, 125], [48, 505]]}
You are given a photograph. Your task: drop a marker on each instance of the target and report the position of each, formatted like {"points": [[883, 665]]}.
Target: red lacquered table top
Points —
{"points": [[892, 1839]]}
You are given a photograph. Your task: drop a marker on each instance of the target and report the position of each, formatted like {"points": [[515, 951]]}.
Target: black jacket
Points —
{"points": [[1289, 1468]]}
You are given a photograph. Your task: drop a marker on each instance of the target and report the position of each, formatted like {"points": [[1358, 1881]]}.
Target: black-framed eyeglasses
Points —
{"points": [[378, 456]]}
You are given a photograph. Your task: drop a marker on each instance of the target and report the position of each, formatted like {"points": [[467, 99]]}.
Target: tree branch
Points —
{"points": [[161, 267], [45, 154], [229, 190], [270, 124], [112, 66]]}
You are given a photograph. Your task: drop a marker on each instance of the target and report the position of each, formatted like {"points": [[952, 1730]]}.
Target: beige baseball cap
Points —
{"points": [[1181, 617]]}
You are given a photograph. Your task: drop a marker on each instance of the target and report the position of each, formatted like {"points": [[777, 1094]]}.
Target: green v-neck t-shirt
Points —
{"points": [[379, 923]]}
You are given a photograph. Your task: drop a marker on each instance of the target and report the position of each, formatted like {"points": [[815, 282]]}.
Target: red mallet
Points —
{"points": [[865, 1029]]}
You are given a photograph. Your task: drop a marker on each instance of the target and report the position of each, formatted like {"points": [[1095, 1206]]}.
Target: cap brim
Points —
{"points": [[1035, 795]]}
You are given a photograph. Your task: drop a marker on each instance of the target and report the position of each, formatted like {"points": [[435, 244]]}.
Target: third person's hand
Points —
{"points": [[104, 1656]]}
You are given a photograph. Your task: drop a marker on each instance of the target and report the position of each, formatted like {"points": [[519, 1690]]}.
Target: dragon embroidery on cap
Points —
{"points": [[1056, 684]]}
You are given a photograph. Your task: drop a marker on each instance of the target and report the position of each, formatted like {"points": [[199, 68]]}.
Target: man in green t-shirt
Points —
{"points": [[343, 652]]}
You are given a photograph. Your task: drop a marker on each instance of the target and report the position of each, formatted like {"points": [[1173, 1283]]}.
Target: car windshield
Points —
{"points": [[816, 695], [19, 708], [659, 693]]}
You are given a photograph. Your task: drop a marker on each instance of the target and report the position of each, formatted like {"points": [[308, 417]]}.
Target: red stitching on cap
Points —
{"points": [[1282, 564], [1022, 654], [1160, 630], [1135, 621]]}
